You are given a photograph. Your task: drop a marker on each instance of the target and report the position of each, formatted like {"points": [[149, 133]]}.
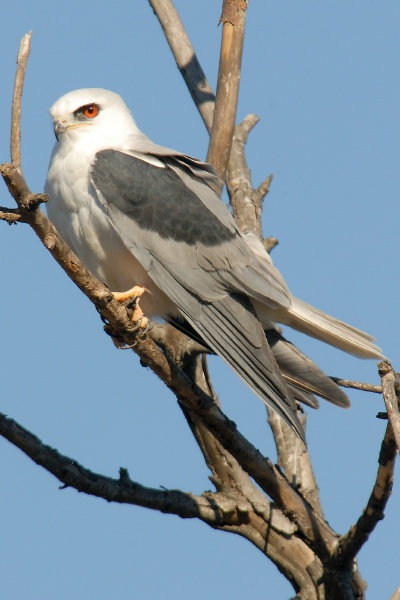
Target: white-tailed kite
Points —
{"points": [[139, 214]]}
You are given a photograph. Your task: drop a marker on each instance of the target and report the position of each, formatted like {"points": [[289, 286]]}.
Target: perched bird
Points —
{"points": [[139, 214]]}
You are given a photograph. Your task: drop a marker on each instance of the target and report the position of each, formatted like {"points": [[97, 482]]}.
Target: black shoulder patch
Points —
{"points": [[157, 199]]}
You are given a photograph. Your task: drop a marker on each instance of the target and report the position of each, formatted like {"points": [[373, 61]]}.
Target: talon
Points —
{"points": [[140, 319], [134, 295]]}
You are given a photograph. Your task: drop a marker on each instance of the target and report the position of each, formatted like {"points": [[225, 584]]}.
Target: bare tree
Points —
{"points": [[277, 508]]}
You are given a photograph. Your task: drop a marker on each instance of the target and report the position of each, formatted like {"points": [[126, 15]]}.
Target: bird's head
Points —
{"points": [[95, 116]]}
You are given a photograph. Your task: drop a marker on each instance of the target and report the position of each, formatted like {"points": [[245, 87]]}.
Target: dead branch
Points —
{"points": [[251, 518], [358, 385], [11, 215], [22, 60], [351, 543], [295, 461], [270, 242], [390, 397], [246, 202], [233, 18], [211, 508]]}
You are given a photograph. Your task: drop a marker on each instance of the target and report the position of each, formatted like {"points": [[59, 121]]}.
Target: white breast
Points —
{"points": [[81, 220]]}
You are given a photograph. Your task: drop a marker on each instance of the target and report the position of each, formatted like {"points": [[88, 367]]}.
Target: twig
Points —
{"points": [[186, 59], [351, 543], [11, 215], [15, 139], [270, 243], [358, 385], [245, 201], [391, 400], [233, 18]]}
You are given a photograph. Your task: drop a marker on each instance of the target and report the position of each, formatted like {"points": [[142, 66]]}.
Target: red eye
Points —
{"points": [[91, 111]]}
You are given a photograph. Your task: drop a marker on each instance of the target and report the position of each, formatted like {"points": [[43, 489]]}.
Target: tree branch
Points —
{"points": [[22, 61], [246, 202], [390, 397], [227, 512], [214, 509], [358, 385], [351, 543], [11, 215], [266, 528], [295, 461], [218, 460], [233, 18]]}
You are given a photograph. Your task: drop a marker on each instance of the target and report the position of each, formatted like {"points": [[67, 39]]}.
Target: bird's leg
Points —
{"points": [[133, 296]]}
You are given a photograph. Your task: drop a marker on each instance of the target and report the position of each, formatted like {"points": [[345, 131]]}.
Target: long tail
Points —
{"points": [[313, 322]]}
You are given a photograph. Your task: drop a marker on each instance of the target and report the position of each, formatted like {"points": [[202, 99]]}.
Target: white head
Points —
{"points": [[95, 118]]}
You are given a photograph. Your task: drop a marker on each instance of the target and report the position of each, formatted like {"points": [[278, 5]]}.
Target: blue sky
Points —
{"points": [[323, 77]]}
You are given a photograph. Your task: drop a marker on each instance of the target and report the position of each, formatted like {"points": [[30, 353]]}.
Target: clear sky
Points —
{"points": [[324, 78]]}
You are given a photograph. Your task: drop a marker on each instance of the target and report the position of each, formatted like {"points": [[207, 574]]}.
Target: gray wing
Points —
{"points": [[188, 242]]}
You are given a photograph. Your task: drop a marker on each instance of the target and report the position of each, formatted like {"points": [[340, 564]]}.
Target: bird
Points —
{"points": [[142, 216]]}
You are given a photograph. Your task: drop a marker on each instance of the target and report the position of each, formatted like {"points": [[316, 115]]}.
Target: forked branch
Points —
{"points": [[351, 543]]}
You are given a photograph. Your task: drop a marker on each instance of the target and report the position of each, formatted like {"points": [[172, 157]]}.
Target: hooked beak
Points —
{"points": [[61, 126]]}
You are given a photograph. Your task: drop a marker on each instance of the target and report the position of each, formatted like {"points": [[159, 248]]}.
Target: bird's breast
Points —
{"points": [[82, 221]]}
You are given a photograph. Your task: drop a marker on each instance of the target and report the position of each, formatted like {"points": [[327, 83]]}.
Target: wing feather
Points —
{"points": [[181, 209], [231, 329], [139, 199]]}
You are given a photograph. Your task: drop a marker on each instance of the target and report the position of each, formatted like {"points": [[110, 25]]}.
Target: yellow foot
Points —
{"points": [[134, 294]]}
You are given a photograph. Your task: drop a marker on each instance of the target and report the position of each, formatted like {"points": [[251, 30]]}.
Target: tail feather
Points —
{"points": [[317, 324], [302, 374]]}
